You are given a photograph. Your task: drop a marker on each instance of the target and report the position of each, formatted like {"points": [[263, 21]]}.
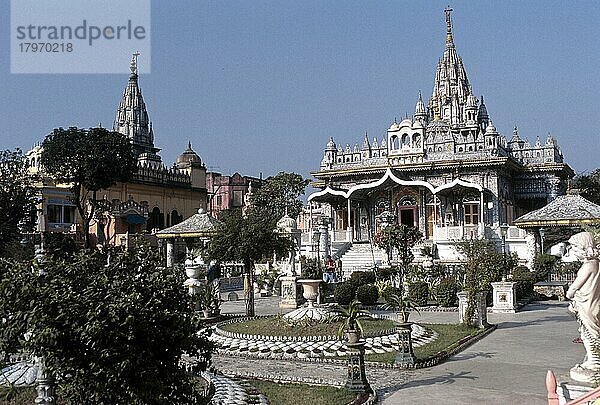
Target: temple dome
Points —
{"points": [[188, 157]]}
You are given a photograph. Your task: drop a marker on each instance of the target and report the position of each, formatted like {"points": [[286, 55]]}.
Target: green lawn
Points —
{"points": [[300, 394], [273, 327], [448, 337]]}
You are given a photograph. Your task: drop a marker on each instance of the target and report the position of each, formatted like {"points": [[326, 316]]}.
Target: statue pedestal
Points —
{"points": [[505, 299], [289, 293], [405, 348], [357, 378], [480, 315]]}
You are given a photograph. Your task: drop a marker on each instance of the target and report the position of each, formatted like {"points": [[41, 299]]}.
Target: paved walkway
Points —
{"points": [[506, 367]]}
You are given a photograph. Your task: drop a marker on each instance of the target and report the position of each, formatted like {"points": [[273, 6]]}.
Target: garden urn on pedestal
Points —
{"points": [[310, 290]]}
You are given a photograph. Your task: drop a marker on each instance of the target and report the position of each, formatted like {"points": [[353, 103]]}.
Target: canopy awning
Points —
{"points": [[197, 226], [388, 179], [565, 210]]}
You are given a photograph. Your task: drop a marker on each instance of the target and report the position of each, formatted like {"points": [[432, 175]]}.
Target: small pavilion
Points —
{"points": [[570, 210], [198, 226]]}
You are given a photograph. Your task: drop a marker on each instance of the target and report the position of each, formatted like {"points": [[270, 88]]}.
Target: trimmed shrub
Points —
{"points": [[367, 294], [524, 280], [344, 293], [390, 291], [446, 291], [418, 292], [359, 278], [386, 273]]}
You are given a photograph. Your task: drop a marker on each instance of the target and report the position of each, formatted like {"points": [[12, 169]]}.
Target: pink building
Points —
{"points": [[228, 192]]}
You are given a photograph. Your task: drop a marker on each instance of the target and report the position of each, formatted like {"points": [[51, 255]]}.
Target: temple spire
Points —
{"points": [[132, 118], [451, 86], [449, 38]]}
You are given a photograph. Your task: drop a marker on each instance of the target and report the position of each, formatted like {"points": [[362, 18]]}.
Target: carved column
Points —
{"points": [[357, 377], [553, 187]]}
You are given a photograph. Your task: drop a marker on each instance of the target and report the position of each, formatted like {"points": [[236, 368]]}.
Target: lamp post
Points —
{"points": [[503, 230], [542, 230]]}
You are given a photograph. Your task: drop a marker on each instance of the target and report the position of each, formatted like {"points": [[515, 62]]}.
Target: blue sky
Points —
{"points": [[260, 86]]}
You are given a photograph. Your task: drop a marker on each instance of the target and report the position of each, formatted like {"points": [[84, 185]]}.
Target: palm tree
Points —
{"points": [[401, 305], [350, 318]]}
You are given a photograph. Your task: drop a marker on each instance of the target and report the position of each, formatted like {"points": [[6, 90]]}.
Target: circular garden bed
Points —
{"points": [[275, 326]]}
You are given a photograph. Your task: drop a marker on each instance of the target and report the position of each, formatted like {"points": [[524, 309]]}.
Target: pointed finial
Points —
{"points": [[447, 11], [133, 63], [189, 144]]}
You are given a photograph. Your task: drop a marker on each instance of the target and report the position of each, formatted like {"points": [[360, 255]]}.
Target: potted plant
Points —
{"points": [[401, 305], [351, 327]]}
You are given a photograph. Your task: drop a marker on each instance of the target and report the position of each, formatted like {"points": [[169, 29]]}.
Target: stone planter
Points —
{"points": [[310, 290], [352, 336], [193, 271]]}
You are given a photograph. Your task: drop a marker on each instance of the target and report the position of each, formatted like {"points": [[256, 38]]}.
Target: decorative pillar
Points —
{"points": [[532, 246], [44, 388], [405, 348], [349, 233], [290, 298], [553, 185], [505, 298], [480, 315], [481, 223], [324, 239], [357, 378], [170, 252]]}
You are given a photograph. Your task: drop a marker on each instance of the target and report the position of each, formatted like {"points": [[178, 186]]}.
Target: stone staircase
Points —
{"points": [[360, 257]]}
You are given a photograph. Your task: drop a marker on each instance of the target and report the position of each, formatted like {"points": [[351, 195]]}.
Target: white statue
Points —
{"points": [[585, 295]]}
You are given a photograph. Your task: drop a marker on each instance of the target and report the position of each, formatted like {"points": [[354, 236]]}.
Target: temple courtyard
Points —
{"points": [[507, 366]]}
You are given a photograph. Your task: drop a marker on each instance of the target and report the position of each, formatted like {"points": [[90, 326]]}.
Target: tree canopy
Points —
{"points": [[108, 333], [17, 198], [89, 160], [589, 185], [248, 238], [483, 265], [279, 194]]}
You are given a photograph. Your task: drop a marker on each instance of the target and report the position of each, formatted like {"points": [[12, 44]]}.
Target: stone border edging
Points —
{"points": [[439, 358], [283, 338], [323, 382]]}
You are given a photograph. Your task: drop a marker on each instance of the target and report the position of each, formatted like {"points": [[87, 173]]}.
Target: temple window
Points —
{"points": [[61, 214], [405, 140], [471, 213], [238, 198]]}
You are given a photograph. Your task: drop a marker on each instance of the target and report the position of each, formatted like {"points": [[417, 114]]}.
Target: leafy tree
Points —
{"points": [[401, 238], [589, 185], [89, 160], [248, 238], [483, 265], [108, 333], [280, 193], [17, 199]]}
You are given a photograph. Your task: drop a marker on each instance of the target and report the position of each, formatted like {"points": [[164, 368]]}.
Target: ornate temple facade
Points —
{"points": [[157, 197], [445, 170]]}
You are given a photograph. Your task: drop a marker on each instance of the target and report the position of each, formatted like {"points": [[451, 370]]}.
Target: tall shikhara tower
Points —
{"points": [[132, 120], [452, 96]]}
